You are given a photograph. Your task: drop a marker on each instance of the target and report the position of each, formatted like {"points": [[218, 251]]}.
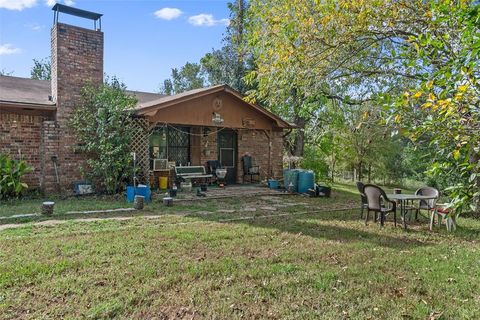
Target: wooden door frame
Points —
{"points": [[235, 153]]}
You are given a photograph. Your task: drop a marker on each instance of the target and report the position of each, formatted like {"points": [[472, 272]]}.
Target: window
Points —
{"points": [[179, 145], [172, 143]]}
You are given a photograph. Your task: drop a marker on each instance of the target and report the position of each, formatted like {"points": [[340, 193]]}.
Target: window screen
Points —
{"points": [[227, 157], [170, 143], [179, 145]]}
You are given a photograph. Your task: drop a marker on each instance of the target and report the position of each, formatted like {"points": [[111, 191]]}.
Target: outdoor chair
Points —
{"points": [[376, 202], [212, 166], [444, 212], [428, 205], [249, 169], [363, 198]]}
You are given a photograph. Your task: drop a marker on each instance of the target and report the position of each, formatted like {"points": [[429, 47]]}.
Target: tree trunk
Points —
{"points": [[474, 159], [369, 173], [360, 173], [333, 171], [299, 140]]}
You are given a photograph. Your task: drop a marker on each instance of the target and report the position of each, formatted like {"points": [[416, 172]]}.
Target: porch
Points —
{"points": [[232, 191], [204, 125]]}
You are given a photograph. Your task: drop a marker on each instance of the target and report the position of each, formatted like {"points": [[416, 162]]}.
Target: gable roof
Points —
{"points": [[37, 93], [169, 101], [16, 91], [33, 92]]}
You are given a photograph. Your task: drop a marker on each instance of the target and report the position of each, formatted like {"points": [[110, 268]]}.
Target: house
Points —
{"points": [[190, 128]]}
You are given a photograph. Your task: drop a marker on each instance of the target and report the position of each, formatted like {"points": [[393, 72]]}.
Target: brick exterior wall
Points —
{"points": [[20, 137], [208, 146], [254, 142], [77, 60], [266, 149]]}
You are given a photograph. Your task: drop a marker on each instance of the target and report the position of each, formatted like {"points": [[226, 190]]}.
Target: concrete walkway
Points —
{"points": [[233, 191]]}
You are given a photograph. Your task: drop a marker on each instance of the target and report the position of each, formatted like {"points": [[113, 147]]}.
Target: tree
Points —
{"points": [[3, 72], [41, 69], [358, 52], [307, 51], [227, 65], [104, 129], [319, 47], [189, 77], [166, 87], [443, 109]]}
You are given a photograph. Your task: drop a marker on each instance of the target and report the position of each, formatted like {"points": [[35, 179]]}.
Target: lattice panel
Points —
{"points": [[140, 144]]}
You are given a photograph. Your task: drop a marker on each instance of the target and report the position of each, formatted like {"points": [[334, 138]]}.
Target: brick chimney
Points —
{"points": [[77, 60]]}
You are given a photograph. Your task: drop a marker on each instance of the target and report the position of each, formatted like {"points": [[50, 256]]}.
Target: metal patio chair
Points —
{"points": [[249, 169]]}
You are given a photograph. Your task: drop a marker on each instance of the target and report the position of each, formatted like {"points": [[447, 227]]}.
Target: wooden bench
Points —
{"points": [[192, 173]]}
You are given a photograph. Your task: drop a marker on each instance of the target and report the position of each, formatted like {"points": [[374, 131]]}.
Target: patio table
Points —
{"points": [[403, 198]]}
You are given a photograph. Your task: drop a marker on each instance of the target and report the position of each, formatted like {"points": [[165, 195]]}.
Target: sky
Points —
{"points": [[144, 39]]}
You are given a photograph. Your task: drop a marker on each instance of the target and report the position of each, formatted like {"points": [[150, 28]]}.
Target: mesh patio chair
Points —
{"points": [[363, 198], [212, 166], [377, 202], [249, 169], [428, 205]]}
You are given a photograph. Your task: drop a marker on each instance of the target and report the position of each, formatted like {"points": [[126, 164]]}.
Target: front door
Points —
{"points": [[227, 153]]}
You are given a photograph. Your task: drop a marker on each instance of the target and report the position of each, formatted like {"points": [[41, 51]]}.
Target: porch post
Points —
{"points": [[140, 144]]}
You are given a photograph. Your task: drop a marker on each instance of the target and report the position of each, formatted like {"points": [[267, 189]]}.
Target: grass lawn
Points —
{"points": [[202, 260]]}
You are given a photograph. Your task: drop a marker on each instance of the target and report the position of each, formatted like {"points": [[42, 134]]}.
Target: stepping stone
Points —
{"points": [[269, 208], [20, 216], [226, 211], [249, 209], [274, 199], [203, 213], [290, 204]]}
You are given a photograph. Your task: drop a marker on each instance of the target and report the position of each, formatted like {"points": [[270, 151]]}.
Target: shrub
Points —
{"points": [[104, 129], [11, 173]]}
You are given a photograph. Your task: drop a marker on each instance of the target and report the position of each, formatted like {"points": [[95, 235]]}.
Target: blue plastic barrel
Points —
{"points": [[306, 180], [273, 184], [138, 191]]}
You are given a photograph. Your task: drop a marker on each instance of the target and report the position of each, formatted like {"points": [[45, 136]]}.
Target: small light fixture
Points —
{"points": [[217, 119], [14, 124]]}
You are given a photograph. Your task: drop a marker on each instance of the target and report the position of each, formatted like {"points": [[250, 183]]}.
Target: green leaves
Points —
{"points": [[41, 69], [444, 109], [11, 173], [104, 128]]}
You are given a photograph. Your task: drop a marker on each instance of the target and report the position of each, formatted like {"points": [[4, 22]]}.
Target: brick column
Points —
{"points": [[49, 148]]}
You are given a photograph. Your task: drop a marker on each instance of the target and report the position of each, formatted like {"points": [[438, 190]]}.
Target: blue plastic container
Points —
{"points": [[306, 180], [273, 184], [138, 191]]}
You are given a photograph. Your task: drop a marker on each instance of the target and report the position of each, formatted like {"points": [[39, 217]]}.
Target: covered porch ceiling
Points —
{"points": [[219, 106]]}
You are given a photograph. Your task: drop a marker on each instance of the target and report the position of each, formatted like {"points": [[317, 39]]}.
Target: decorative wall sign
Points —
{"points": [[217, 104], [217, 119], [248, 122]]}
